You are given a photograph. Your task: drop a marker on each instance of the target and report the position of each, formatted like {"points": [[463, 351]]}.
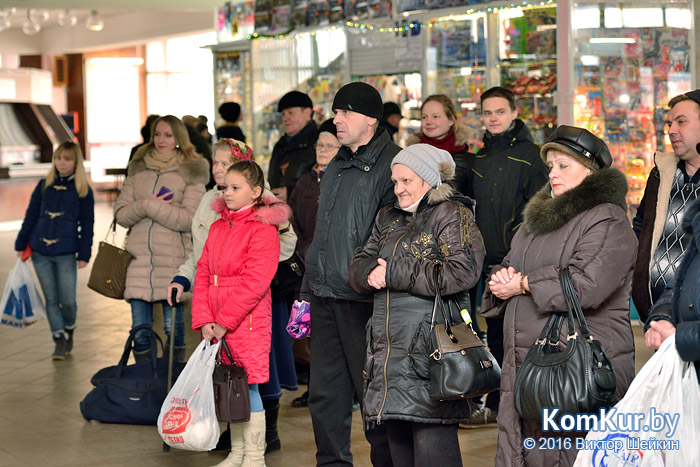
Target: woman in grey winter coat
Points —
{"points": [[429, 225], [578, 221], [165, 183]]}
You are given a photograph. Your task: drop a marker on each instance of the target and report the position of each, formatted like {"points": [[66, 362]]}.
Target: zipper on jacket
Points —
{"points": [[218, 264], [150, 228], [388, 342]]}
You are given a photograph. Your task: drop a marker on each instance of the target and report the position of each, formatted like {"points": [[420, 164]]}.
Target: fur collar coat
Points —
{"points": [[587, 231]]}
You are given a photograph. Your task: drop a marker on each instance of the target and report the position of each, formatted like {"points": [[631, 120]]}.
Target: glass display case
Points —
{"points": [[456, 66], [405, 90], [629, 61], [231, 84], [527, 60], [313, 63]]}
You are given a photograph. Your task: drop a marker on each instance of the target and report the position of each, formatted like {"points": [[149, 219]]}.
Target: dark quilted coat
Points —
{"points": [[398, 337]]}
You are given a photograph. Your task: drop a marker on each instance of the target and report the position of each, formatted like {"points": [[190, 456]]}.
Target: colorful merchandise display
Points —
{"points": [[459, 51], [528, 64], [624, 78]]}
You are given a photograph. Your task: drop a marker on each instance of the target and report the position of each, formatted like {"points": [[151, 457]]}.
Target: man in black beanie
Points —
{"points": [[672, 185], [293, 155], [356, 185]]}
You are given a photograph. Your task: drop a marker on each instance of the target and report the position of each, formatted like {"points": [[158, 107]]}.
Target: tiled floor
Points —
{"points": [[40, 420]]}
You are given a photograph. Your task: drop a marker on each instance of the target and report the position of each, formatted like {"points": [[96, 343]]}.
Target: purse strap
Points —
{"points": [[573, 305], [224, 346], [113, 231], [438, 304]]}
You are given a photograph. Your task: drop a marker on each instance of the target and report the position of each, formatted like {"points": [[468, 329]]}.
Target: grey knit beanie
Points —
{"points": [[432, 164]]}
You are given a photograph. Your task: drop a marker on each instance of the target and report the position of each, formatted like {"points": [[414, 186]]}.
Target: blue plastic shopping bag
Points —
{"points": [[21, 304]]}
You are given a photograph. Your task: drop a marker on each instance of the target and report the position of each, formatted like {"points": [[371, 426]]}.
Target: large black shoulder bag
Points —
{"points": [[131, 394], [577, 379], [460, 366]]}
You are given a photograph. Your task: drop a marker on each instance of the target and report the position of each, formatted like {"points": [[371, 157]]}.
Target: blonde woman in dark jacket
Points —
{"points": [[579, 222], [429, 225], [166, 180]]}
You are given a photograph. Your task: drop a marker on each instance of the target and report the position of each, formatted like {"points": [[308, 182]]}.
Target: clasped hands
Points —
{"points": [[505, 283], [377, 277], [213, 330]]}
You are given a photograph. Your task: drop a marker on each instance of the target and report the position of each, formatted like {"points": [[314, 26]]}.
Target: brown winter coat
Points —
{"points": [[587, 231], [160, 236]]}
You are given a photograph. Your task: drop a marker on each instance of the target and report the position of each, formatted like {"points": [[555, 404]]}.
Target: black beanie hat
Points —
{"points": [[391, 108], [579, 143], [329, 127], [230, 111], [294, 99], [361, 98]]}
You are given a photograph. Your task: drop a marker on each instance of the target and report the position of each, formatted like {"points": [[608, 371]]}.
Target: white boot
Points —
{"points": [[235, 457], [254, 436]]}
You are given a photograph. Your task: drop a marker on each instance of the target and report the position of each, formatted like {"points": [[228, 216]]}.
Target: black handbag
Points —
{"points": [[288, 277], [108, 274], [460, 366], [577, 379], [231, 394], [131, 394]]}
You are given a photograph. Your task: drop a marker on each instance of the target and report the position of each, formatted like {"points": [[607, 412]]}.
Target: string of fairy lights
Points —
{"points": [[414, 25]]}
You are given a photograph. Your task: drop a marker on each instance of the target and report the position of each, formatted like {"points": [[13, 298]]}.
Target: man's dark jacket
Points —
{"points": [[506, 173], [353, 190], [293, 157]]}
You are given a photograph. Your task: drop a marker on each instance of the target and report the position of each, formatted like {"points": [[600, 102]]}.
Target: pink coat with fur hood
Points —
{"points": [[232, 284]]}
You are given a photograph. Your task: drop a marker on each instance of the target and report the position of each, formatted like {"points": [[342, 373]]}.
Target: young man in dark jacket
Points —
{"points": [[293, 155], [506, 173], [356, 185]]}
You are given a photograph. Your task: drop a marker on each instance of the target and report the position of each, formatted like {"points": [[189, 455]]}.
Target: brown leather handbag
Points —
{"points": [[231, 396], [108, 274]]}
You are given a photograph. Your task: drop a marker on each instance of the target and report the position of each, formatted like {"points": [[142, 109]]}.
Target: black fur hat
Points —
{"points": [[294, 99]]}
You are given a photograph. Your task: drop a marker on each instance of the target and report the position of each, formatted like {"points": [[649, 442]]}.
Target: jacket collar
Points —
{"points": [[303, 138], [367, 155], [516, 134], [270, 211], [544, 214]]}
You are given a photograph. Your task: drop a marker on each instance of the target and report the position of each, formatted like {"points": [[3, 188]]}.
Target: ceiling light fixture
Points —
{"points": [[94, 22], [30, 27], [65, 18]]}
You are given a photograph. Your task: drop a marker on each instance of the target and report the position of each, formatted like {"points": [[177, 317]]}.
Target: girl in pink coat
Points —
{"points": [[232, 291]]}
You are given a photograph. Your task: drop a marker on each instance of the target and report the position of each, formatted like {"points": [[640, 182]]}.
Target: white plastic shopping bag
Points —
{"points": [[187, 418], [655, 424], [21, 304]]}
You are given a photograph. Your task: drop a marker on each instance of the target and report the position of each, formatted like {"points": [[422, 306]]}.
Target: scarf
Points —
{"points": [[447, 142], [161, 162]]}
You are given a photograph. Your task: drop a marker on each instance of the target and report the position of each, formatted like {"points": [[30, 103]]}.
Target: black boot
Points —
{"points": [[69, 339], [272, 408], [60, 352]]}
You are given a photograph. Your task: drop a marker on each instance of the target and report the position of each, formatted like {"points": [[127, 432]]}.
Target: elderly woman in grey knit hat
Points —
{"points": [[430, 224]]}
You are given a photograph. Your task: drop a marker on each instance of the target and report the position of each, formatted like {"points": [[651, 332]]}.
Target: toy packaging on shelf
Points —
{"points": [[623, 90]]}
